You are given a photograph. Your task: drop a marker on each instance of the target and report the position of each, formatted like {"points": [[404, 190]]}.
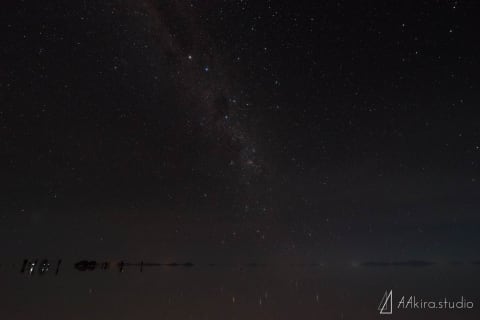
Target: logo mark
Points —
{"points": [[385, 306]]}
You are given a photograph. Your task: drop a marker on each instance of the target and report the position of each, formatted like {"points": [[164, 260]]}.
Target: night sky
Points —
{"points": [[335, 143]]}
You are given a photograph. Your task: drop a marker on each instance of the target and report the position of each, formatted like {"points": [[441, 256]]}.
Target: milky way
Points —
{"points": [[206, 83]]}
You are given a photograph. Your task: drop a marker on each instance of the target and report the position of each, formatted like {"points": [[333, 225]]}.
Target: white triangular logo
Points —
{"points": [[385, 306]]}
